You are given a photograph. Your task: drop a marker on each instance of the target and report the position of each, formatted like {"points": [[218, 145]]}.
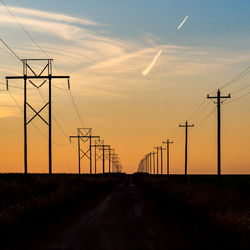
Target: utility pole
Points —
{"points": [[150, 154], [154, 160], [157, 160], [84, 135], [186, 126], [159, 149], [168, 142], [219, 97], [30, 76]]}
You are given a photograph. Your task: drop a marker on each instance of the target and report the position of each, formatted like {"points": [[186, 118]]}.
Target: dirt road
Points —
{"points": [[125, 218]]}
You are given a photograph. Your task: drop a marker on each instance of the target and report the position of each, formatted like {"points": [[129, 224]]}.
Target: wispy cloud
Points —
{"points": [[105, 65], [49, 15]]}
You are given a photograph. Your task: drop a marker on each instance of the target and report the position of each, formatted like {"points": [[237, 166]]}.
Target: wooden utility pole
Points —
{"points": [[168, 142], [219, 97], [159, 149], [186, 126]]}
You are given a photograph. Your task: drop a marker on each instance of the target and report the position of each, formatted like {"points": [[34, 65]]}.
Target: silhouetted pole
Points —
{"points": [[25, 127], [95, 159], [219, 97], [162, 159], [150, 154], [157, 160], [186, 126], [79, 155], [154, 160], [168, 142]]}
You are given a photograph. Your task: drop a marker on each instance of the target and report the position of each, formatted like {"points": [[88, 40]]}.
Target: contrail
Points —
{"points": [[151, 65], [185, 19]]}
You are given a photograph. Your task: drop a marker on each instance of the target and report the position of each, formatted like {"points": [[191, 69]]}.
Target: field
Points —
{"points": [[30, 203], [225, 204], [119, 211]]}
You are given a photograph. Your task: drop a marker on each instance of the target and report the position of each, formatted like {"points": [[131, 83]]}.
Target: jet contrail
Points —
{"points": [[185, 19], [151, 65]]}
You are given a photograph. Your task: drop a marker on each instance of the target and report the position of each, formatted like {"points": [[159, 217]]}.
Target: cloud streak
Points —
{"points": [[151, 65]]}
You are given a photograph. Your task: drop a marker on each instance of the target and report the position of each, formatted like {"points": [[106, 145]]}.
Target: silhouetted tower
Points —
{"points": [[104, 148], [84, 135], [219, 97], [30, 76], [98, 151], [186, 126], [168, 142]]}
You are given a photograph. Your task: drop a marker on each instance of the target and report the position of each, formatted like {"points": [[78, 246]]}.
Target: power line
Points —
{"points": [[11, 50], [205, 118], [24, 30], [238, 98], [237, 78], [238, 90], [76, 109]]}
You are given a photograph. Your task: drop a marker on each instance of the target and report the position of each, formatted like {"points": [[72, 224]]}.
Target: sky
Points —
{"points": [[105, 46]]}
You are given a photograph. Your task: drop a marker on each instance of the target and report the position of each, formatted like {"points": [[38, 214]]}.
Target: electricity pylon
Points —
{"points": [[30, 75], [84, 135]]}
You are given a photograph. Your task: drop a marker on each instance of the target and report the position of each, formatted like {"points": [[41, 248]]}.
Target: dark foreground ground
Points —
{"points": [[125, 212]]}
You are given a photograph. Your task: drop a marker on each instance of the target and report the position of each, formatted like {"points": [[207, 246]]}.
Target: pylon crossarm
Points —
{"points": [[37, 114], [35, 77]]}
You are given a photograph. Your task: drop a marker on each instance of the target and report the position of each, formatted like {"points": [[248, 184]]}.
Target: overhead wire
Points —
{"points": [[38, 46], [22, 27], [11, 50]]}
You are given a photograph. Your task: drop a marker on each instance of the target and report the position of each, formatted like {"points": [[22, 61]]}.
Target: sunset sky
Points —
{"points": [[105, 46]]}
